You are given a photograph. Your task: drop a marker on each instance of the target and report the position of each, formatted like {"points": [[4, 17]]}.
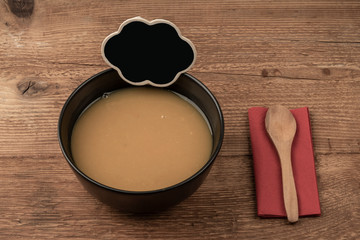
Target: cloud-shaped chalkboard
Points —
{"points": [[148, 52]]}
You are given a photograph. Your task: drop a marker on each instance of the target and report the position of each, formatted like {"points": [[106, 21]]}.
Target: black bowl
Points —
{"points": [[139, 201]]}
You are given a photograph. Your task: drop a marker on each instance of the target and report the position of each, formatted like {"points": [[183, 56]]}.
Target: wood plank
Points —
{"points": [[31, 107], [53, 207]]}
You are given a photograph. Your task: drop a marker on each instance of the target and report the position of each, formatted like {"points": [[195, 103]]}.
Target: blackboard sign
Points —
{"points": [[148, 52]]}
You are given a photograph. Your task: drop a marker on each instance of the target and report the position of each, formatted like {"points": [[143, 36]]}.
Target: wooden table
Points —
{"points": [[250, 53]]}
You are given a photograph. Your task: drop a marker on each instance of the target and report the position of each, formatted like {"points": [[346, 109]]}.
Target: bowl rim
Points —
{"points": [[129, 192]]}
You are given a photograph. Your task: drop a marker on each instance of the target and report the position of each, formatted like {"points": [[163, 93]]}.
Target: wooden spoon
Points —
{"points": [[281, 127]]}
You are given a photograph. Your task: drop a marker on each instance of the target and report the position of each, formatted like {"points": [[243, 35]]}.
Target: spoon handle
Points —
{"points": [[289, 189]]}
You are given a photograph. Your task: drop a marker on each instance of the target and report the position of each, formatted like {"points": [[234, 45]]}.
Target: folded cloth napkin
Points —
{"points": [[267, 168]]}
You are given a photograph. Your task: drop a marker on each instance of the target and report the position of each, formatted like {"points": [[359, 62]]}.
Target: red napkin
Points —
{"points": [[267, 169]]}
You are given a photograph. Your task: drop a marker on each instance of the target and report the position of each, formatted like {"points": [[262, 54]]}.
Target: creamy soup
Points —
{"points": [[141, 139]]}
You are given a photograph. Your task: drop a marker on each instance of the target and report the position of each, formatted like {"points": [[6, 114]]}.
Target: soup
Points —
{"points": [[141, 139]]}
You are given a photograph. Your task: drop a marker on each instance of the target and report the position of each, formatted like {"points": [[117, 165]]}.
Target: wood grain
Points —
{"points": [[250, 53]]}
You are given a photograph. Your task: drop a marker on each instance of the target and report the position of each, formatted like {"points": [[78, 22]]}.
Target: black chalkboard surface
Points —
{"points": [[146, 52]]}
